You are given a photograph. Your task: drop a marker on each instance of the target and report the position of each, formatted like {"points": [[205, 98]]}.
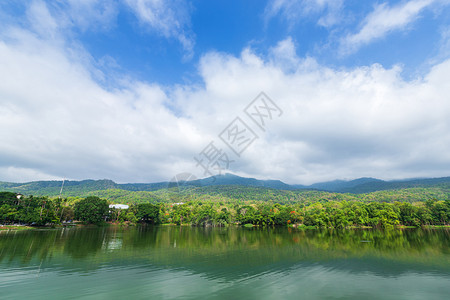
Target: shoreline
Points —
{"points": [[27, 227]]}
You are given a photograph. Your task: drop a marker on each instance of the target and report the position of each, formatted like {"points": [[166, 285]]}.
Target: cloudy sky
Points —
{"points": [[137, 90]]}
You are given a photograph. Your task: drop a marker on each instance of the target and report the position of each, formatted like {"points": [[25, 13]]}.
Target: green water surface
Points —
{"points": [[224, 263]]}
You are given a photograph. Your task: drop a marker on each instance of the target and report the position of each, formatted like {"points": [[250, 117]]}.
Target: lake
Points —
{"points": [[224, 263]]}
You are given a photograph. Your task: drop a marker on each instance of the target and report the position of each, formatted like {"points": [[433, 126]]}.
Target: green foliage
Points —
{"points": [[147, 213], [52, 188], [225, 205], [91, 210], [30, 210]]}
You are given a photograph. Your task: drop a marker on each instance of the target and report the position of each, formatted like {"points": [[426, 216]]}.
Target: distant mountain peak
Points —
{"points": [[359, 185]]}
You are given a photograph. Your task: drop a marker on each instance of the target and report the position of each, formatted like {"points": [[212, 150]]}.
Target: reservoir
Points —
{"points": [[173, 262]]}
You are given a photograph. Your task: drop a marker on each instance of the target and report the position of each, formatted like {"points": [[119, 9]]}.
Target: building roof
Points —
{"points": [[119, 206]]}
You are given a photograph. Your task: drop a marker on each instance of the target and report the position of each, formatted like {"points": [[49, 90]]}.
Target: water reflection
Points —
{"points": [[227, 260], [175, 245]]}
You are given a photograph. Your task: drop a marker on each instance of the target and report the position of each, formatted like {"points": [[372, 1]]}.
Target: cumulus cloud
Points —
{"points": [[382, 21], [58, 121], [284, 55], [366, 121]]}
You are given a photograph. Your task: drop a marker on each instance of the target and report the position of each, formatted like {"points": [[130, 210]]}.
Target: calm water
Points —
{"points": [[231, 263]]}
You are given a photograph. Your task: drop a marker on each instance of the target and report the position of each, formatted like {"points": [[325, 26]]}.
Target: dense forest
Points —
{"points": [[232, 205], [84, 187]]}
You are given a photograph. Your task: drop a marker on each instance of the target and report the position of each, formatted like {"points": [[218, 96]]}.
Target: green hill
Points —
{"points": [[234, 188]]}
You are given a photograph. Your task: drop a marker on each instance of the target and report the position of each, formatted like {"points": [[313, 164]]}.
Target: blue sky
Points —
{"points": [[132, 90], [230, 26], [317, 28]]}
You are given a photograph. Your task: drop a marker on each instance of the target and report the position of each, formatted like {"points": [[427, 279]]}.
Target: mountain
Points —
{"points": [[230, 179], [343, 185], [380, 185], [143, 187], [53, 187], [357, 186]]}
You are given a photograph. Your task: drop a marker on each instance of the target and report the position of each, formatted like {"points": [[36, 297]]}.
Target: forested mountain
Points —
{"points": [[212, 184], [379, 185], [224, 204], [53, 187], [343, 185]]}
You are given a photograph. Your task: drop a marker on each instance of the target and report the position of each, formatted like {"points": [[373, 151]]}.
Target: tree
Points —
{"points": [[147, 212], [8, 198], [91, 210], [246, 215], [205, 215]]}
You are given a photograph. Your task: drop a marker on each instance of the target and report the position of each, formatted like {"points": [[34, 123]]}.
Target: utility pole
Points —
{"points": [[60, 192], [62, 185]]}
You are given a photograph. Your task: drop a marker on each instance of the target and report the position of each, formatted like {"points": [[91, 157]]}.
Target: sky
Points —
{"points": [[302, 91]]}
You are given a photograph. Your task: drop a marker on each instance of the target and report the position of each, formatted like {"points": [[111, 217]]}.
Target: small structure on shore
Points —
{"points": [[119, 206]]}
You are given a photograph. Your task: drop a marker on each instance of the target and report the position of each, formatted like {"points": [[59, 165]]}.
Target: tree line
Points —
{"points": [[244, 194], [332, 214]]}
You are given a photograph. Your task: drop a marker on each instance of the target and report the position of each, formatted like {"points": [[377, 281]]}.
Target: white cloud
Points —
{"points": [[91, 14], [14, 174], [284, 55], [443, 50], [327, 12], [382, 21], [54, 20], [61, 21], [362, 122], [41, 20], [171, 19], [63, 123], [57, 121]]}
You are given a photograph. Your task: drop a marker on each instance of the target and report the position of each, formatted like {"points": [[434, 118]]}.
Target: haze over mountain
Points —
{"points": [[360, 185]]}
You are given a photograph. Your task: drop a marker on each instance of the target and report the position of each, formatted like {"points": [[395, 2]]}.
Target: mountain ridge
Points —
{"points": [[355, 186]]}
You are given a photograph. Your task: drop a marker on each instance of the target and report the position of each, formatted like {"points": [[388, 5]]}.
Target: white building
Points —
{"points": [[119, 206]]}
